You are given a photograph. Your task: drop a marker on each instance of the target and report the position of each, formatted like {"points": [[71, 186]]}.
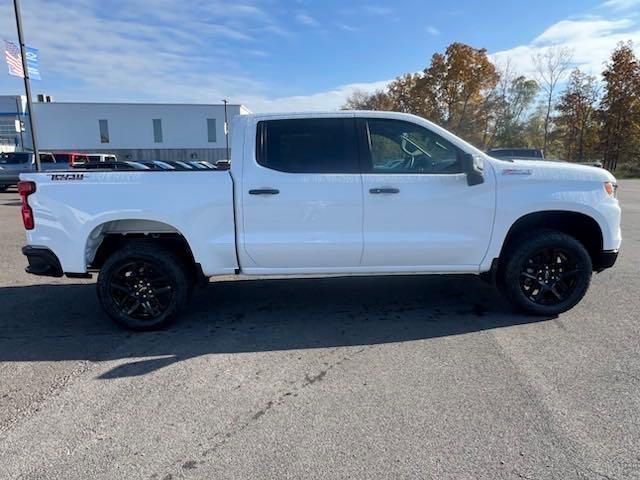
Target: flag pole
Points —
{"points": [[27, 86]]}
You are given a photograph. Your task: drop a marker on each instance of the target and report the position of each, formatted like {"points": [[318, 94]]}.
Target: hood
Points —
{"points": [[550, 170]]}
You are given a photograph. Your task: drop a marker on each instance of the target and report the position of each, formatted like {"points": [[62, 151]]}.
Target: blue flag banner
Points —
{"points": [[33, 63], [14, 60]]}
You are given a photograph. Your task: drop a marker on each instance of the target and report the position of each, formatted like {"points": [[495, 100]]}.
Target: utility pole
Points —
{"points": [[27, 86], [226, 128]]}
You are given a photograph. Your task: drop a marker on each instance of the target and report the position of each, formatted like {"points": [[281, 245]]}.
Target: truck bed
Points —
{"points": [[72, 206]]}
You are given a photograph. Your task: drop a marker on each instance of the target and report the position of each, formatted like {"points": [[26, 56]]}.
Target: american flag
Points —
{"points": [[14, 58]]}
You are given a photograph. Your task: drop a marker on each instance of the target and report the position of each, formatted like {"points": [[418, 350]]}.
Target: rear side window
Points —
{"points": [[315, 145], [62, 157], [46, 158]]}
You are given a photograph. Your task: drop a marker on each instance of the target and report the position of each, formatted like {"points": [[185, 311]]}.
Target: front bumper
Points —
{"points": [[606, 259], [42, 261]]}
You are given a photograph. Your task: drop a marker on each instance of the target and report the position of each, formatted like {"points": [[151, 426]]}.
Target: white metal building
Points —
{"points": [[136, 131]]}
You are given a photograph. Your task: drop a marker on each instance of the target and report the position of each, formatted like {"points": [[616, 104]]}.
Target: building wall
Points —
{"points": [[75, 126], [64, 126]]}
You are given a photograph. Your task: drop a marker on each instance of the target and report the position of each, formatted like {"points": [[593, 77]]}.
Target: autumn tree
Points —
{"points": [[577, 119], [452, 91], [551, 67], [360, 100], [513, 98], [621, 108], [454, 87]]}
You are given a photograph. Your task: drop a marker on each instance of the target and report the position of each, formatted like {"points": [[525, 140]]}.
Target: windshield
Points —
{"points": [[14, 158]]}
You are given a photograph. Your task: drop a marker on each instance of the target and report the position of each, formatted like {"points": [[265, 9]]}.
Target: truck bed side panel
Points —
{"points": [[71, 211]]}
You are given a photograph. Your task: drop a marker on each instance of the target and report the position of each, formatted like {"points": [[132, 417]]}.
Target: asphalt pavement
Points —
{"points": [[387, 377]]}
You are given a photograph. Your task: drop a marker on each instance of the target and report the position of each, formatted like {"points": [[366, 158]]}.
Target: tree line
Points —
{"points": [[568, 113]]}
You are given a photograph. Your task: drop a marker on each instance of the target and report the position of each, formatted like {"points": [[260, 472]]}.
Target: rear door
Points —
{"points": [[301, 193], [419, 212]]}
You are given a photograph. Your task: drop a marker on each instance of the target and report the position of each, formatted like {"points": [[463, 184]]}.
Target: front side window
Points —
{"points": [[104, 131], [47, 158], [397, 146], [313, 145]]}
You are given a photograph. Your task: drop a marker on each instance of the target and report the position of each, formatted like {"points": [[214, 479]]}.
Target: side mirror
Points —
{"points": [[473, 167]]}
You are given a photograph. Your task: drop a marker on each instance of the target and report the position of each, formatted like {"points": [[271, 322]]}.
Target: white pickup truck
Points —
{"points": [[342, 193]]}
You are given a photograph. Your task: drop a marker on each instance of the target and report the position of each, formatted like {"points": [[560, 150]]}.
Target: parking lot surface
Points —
{"points": [[387, 377]]}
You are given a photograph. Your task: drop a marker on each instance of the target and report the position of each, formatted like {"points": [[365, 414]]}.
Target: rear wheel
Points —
{"points": [[3, 187], [547, 274], [143, 286]]}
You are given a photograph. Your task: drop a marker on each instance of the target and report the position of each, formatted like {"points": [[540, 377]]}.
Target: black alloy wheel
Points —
{"points": [[141, 291], [545, 274], [549, 276], [142, 286]]}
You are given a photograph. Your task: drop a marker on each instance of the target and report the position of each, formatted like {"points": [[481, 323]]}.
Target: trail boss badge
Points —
{"points": [[66, 176]]}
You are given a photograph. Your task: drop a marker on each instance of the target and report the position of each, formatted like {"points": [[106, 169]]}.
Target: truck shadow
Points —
{"points": [[64, 321]]}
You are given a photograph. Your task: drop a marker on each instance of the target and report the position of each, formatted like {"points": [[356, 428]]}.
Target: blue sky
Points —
{"points": [[289, 55]]}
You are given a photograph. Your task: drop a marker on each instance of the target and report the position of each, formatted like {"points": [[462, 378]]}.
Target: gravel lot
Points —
{"points": [[401, 377]]}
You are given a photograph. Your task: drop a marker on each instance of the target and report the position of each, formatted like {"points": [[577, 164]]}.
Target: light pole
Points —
{"points": [[226, 128], [27, 86]]}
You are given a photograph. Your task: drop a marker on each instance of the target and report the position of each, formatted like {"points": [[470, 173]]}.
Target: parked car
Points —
{"points": [[72, 158], [595, 163], [532, 153], [125, 165], [102, 157], [179, 165], [326, 194], [156, 164], [12, 164]]}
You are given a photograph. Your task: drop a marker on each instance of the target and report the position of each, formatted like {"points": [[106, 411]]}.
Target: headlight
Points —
{"points": [[611, 189]]}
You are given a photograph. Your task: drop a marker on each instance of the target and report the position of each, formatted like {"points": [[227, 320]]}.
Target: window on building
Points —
{"points": [[321, 145], [157, 130], [211, 130], [104, 131]]}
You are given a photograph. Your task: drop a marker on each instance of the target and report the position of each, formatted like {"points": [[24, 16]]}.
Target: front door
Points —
{"points": [[302, 200], [418, 209]]}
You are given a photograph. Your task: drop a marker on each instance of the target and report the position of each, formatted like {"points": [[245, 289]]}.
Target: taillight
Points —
{"points": [[25, 189]]}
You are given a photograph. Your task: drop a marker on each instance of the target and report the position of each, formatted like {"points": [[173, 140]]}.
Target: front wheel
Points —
{"points": [[547, 274], [143, 286], [3, 187]]}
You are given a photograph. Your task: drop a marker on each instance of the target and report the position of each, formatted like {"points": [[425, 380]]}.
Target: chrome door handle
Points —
{"points": [[377, 191], [264, 191]]}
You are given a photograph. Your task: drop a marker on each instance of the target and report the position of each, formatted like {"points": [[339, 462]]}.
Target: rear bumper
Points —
{"points": [[607, 259], [42, 261]]}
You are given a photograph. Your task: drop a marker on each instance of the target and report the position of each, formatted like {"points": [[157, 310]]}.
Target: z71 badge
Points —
{"points": [[67, 176]]}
